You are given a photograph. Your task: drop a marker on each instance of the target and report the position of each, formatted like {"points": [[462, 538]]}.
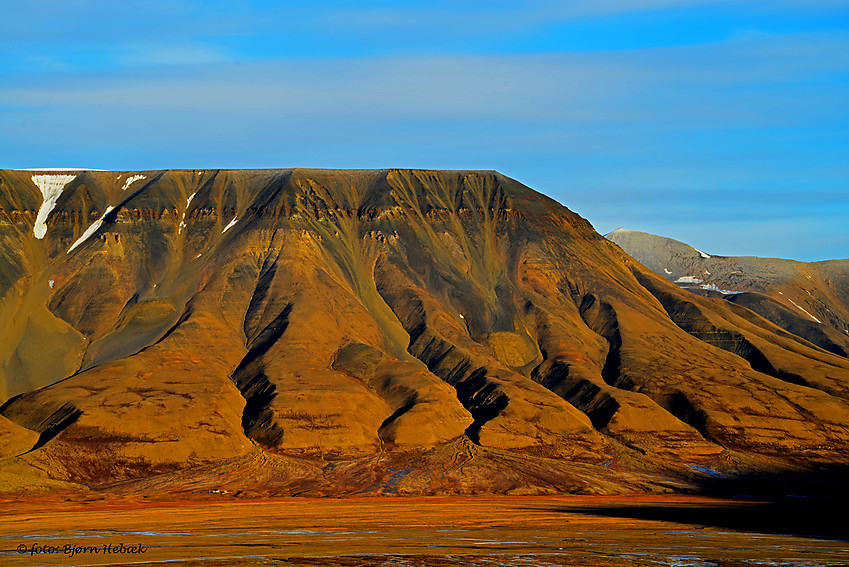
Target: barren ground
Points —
{"points": [[486, 531]]}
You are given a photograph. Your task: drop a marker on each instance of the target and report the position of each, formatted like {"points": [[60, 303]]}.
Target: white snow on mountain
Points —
{"points": [[714, 287], [51, 187], [803, 311], [182, 224], [232, 222], [130, 181], [91, 230]]}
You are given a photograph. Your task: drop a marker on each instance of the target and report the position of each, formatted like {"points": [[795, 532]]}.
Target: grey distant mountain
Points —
{"points": [[808, 299]]}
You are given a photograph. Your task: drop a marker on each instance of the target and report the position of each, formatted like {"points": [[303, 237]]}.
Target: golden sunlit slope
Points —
{"points": [[405, 331]]}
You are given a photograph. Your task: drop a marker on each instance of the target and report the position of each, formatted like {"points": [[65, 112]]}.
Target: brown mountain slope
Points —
{"points": [[374, 331], [810, 300]]}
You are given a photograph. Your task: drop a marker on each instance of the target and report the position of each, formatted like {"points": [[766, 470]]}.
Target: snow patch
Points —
{"points": [[51, 187], [59, 169], [130, 181], [50, 283], [714, 287], [461, 316], [91, 230], [182, 224], [803, 311], [232, 222], [707, 273], [702, 254], [689, 279], [667, 272]]}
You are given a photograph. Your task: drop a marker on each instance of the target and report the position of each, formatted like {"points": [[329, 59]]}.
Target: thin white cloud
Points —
{"points": [[153, 55], [111, 24], [519, 15], [741, 82]]}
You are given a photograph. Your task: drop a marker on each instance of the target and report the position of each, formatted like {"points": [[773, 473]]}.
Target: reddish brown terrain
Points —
{"points": [[394, 332], [486, 531]]}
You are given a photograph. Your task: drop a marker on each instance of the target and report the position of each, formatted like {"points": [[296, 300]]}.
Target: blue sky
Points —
{"points": [[721, 123]]}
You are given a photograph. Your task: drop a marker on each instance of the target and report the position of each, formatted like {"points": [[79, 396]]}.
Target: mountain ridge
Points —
{"points": [[809, 299]]}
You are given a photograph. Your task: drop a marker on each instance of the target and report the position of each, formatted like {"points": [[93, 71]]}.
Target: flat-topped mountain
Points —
{"points": [[392, 331]]}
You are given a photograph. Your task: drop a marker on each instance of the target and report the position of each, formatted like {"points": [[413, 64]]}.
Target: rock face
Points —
{"points": [[396, 331], [810, 300]]}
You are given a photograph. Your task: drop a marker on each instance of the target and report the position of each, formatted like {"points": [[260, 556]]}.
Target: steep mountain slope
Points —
{"points": [[312, 331], [810, 300]]}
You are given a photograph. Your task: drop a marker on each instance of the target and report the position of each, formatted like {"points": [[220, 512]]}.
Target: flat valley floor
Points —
{"points": [[412, 532]]}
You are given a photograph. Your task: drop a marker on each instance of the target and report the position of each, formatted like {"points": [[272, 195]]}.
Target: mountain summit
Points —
{"points": [[388, 331]]}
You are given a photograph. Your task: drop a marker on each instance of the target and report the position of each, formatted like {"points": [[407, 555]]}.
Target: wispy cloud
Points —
{"points": [[101, 34], [153, 55], [704, 86]]}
